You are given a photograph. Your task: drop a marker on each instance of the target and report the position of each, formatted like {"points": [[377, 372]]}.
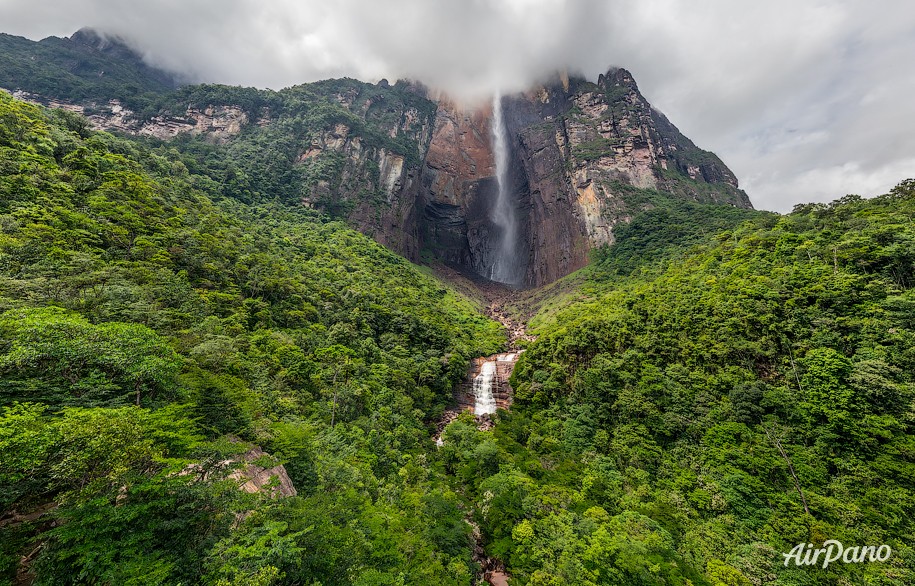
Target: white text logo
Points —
{"points": [[804, 554]]}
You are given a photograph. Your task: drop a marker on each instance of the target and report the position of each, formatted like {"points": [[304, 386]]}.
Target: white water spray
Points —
{"points": [[487, 382], [484, 399], [505, 267]]}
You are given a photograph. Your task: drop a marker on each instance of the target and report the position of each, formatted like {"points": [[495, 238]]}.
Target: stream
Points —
{"points": [[484, 390]]}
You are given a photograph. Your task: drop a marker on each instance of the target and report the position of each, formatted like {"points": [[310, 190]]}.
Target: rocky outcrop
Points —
{"points": [[216, 123], [255, 471], [256, 474], [46, 102]]}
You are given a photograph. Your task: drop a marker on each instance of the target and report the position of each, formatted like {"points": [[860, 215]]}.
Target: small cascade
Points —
{"points": [[486, 389], [485, 401]]}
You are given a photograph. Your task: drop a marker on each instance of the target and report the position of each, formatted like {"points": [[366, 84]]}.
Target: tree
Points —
{"points": [[86, 364]]}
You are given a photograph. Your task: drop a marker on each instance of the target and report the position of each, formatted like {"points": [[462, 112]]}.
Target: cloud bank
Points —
{"points": [[805, 100]]}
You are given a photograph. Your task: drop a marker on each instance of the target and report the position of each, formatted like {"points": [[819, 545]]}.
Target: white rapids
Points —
{"points": [[486, 381], [485, 401]]}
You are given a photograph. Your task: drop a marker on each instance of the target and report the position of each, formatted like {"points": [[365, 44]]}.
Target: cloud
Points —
{"points": [[805, 100]]}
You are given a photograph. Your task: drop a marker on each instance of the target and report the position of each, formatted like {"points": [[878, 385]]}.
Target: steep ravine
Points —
{"points": [[499, 302], [485, 389]]}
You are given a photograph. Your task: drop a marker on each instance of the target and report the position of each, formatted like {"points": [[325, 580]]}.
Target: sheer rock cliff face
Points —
{"points": [[574, 147], [417, 173], [459, 188]]}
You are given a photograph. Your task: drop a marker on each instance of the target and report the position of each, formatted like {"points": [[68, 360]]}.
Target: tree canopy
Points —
{"points": [[149, 334]]}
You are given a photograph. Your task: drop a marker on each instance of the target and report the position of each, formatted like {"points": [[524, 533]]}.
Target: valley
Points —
{"points": [[351, 333]]}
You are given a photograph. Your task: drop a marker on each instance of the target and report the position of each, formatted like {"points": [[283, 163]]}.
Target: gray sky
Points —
{"points": [[805, 100]]}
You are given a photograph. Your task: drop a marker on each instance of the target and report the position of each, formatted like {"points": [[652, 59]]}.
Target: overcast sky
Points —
{"points": [[804, 100]]}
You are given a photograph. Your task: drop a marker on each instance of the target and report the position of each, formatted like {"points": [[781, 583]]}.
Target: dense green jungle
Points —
{"points": [[714, 388]]}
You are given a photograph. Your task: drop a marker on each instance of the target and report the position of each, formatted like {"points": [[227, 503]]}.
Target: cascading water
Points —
{"points": [[485, 400], [489, 381], [505, 267]]}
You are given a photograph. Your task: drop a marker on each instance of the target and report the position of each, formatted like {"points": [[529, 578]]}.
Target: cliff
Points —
{"points": [[416, 171], [458, 187], [576, 147]]}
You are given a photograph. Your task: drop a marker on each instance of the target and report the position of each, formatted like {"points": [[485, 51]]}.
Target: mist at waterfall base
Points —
{"points": [[506, 267]]}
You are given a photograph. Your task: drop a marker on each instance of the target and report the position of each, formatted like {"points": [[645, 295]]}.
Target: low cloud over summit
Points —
{"points": [[804, 100]]}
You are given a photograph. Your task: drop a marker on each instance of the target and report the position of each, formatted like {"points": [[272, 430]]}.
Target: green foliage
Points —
{"points": [[661, 228], [25, 441], [593, 149], [58, 357], [727, 384], [147, 332], [703, 405], [83, 67]]}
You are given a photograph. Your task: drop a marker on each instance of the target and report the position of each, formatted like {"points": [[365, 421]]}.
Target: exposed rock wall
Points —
{"points": [[417, 172], [218, 123], [379, 186], [555, 236], [574, 143], [459, 186]]}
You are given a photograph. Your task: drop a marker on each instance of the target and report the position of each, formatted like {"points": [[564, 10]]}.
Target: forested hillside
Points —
{"points": [[151, 333], [719, 386], [87, 66], [307, 141], [691, 422]]}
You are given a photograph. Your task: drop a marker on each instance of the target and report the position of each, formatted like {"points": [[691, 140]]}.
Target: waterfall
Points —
{"points": [[485, 400], [505, 267]]}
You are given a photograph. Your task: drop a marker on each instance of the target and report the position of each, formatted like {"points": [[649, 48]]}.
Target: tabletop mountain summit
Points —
{"points": [[414, 170]]}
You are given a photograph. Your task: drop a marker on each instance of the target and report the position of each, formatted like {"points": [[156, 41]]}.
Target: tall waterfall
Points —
{"points": [[505, 267]]}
